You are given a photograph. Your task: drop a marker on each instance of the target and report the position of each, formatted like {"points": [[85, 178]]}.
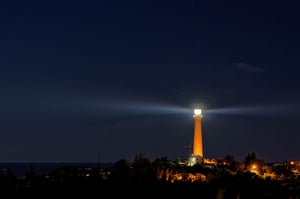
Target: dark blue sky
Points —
{"points": [[118, 78]]}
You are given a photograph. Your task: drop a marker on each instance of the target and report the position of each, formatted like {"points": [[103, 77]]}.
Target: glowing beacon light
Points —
{"points": [[197, 111]]}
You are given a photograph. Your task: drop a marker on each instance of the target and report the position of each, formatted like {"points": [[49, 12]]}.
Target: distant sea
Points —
{"points": [[20, 169]]}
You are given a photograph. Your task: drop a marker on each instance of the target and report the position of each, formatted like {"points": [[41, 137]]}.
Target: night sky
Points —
{"points": [[88, 81]]}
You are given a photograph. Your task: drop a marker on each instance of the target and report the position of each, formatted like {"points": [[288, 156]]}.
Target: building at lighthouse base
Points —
{"points": [[195, 160]]}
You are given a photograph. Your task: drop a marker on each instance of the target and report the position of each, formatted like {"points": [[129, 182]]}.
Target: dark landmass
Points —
{"points": [[143, 178]]}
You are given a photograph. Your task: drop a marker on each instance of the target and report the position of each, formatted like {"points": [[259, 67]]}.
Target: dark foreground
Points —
{"points": [[146, 179]]}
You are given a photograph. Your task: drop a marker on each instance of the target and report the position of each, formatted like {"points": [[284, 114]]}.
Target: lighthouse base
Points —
{"points": [[195, 160]]}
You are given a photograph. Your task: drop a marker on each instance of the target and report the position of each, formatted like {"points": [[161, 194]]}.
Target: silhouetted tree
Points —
{"points": [[230, 162], [252, 158], [143, 170], [122, 170]]}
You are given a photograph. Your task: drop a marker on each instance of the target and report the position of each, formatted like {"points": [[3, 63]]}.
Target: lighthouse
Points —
{"points": [[197, 156], [198, 144]]}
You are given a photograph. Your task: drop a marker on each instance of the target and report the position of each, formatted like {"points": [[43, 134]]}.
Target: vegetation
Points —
{"points": [[143, 178]]}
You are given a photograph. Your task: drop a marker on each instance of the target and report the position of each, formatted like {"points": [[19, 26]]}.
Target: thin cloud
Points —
{"points": [[248, 67]]}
